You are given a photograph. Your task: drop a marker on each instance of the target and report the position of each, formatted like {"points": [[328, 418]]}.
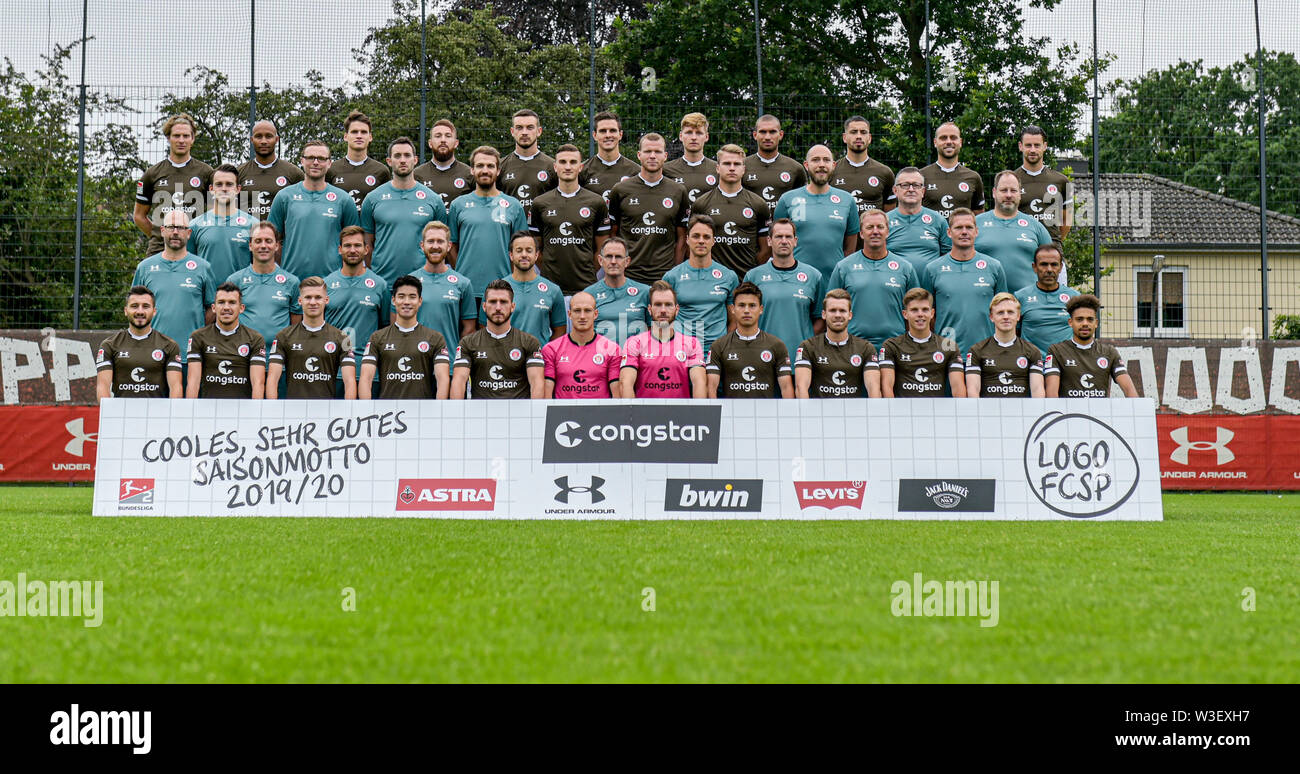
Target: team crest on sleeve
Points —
{"points": [[801, 277], [981, 264], [893, 265], [457, 351], [139, 186], [785, 177], [585, 212], [766, 356], [370, 282], [195, 181], [1102, 362], [748, 212], [243, 349], [1047, 362], [963, 186], [370, 179], [873, 180], [273, 345], [330, 196], [282, 180], [970, 359], [459, 182], [1064, 297], [280, 278], [329, 347], [542, 286], [419, 194], [99, 355], [597, 358], [1022, 223], [710, 179], [854, 360], [717, 273], [515, 354], [668, 202], [157, 355], [1021, 362], [927, 219], [681, 356], [191, 265], [938, 357], [835, 199]]}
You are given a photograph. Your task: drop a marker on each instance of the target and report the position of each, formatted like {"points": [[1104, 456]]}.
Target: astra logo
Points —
{"points": [[592, 491]]}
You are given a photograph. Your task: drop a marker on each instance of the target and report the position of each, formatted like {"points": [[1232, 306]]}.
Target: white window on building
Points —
{"points": [[1161, 307]]}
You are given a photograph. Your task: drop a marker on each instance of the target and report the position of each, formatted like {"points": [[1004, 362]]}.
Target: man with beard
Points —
{"points": [[870, 182], [917, 234], [182, 284], [650, 212], [622, 309], [582, 364], [1043, 191], [138, 362], [359, 301], [1083, 366], [311, 351], [950, 185], [1008, 234], [481, 224], [1044, 320], [827, 218], [220, 235], [310, 216], [740, 216], [226, 359], [265, 174], [442, 173], [836, 364], [769, 172], [176, 182], [571, 223], [406, 359], [875, 280], [963, 283], [394, 215], [526, 172], [447, 304], [538, 303], [662, 363], [748, 362], [499, 360]]}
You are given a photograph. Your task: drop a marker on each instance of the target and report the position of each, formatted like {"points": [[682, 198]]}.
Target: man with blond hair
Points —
{"points": [[693, 170], [178, 181]]}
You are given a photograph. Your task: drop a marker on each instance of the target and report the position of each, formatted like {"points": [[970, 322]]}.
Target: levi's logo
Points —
{"points": [[830, 494], [446, 494]]}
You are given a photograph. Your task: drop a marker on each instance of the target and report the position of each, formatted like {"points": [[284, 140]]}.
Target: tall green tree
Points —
{"points": [[1200, 127]]}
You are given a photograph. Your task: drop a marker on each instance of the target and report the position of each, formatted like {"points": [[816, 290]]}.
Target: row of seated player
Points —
{"points": [[581, 203], [407, 360]]}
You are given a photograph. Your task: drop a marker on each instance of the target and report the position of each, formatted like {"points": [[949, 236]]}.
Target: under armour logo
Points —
{"points": [[1222, 436], [593, 491], [76, 428]]}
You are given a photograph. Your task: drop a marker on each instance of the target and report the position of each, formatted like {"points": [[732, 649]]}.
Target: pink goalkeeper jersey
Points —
{"points": [[662, 367], [582, 370]]}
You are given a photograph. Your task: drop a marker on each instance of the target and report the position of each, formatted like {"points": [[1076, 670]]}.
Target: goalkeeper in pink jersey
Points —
{"points": [[582, 364], [663, 363]]}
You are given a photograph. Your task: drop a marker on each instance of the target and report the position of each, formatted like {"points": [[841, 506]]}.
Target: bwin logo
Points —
{"points": [[592, 491], [1222, 437]]}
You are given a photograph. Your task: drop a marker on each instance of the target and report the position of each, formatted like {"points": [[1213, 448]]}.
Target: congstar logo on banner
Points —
{"points": [[446, 494], [970, 495], [637, 433], [718, 495], [830, 494]]}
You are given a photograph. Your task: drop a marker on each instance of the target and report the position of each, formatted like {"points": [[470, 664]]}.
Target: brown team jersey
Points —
{"points": [[227, 360], [870, 182], [945, 191], [770, 179], [600, 177], [838, 370], [648, 216], [139, 366], [1044, 196], [498, 367], [1004, 371], [260, 184], [166, 185], [698, 179], [310, 358], [1085, 372], [567, 226], [404, 361], [358, 179], [921, 368], [748, 368], [526, 179], [739, 222], [448, 183]]}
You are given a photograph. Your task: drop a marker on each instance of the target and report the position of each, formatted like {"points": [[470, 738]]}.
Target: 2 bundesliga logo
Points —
{"points": [[637, 433], [1078, 466], [135, 494]]}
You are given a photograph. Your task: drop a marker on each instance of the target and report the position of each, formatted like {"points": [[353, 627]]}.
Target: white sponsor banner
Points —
{"points": [[1072, 459]]}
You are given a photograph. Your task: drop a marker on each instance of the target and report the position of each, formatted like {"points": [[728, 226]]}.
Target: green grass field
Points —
{"points": [[261, 600]]}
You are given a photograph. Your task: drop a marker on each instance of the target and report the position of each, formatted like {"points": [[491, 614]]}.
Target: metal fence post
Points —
{"points": [[1096, 163], [758, 58], [591, 94], [1263, 181], [424, 81], [81, 178], [252, 75]]}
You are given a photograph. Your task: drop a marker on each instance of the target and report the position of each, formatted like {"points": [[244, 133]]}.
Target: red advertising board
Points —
{"points": [[1227, 452], [48, 443]]}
